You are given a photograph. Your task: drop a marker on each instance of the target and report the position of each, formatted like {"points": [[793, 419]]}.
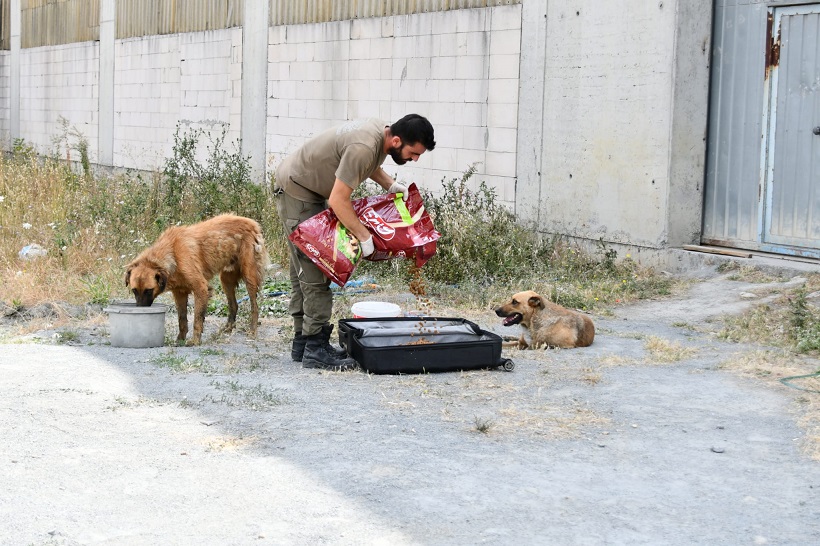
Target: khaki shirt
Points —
{"points": [[350, 152]]}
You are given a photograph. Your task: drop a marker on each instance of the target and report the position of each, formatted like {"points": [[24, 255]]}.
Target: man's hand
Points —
{"points": [[398, 188], [367, 246]]}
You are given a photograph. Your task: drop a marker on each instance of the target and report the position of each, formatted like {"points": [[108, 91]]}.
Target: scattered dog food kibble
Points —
{"points": [[420, 341]]}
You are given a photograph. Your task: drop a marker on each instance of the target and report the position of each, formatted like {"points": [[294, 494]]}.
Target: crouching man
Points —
{"points": [[323, 173]]}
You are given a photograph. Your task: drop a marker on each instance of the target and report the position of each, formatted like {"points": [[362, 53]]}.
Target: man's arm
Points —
{"points": [[382, 178], [388, 184], [339, 202]]}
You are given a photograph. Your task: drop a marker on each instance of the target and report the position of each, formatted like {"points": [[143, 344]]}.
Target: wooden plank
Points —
{"points": [[718, 250]]}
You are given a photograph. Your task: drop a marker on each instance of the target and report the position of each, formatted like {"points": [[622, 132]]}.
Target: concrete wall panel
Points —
{"points": [[434, 64], [161, 81], [607, 120], [5, 111], [59, 92]]}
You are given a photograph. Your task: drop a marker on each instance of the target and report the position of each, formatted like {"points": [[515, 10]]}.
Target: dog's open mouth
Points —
{"points": [[515, 318]]}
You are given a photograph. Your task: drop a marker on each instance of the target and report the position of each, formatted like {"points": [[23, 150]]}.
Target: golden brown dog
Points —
{"points": [[546, 324], [185, 258]]}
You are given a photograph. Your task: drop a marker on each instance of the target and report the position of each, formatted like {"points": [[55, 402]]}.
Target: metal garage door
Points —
{"points": [[763, 162], [792, 197]]}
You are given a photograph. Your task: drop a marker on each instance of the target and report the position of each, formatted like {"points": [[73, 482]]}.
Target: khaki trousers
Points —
{"points": [[311, 301]]}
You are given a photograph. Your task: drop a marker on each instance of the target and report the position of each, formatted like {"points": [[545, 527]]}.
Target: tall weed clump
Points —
{"points": [[791, 321], [804, 322], [481, 242], [92, 223], [485, 252], [197, 185]]}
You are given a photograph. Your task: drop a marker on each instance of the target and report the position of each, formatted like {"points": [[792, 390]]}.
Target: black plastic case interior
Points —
{"points": [[420, 345]]}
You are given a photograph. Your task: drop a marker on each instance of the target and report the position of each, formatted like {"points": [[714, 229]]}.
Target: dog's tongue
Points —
{"points": [[512, 319]]}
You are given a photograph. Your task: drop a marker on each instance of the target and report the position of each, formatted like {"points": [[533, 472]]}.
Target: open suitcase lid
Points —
{"points": [[412, 327]]}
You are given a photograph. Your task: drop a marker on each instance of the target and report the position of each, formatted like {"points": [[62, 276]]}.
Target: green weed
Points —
{"points": [[179, 363], [789, 321], [257, 397], [68, 336], [483, 425], [98, 288], [485, 253]]}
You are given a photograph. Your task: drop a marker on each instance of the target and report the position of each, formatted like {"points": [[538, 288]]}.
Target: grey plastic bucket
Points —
{"points": [[137, 327]]}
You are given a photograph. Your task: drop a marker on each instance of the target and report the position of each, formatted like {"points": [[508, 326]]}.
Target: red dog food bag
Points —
{"points": [[327, 243], [400, 230]]}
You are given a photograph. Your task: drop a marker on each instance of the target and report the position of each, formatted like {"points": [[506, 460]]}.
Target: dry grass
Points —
{"points": [[91, 225], [591, 376], [550, 421], [509, 407], [790, 321], [617, 360], [42, 204], [746, 273], [661, 350], [770, 364]]}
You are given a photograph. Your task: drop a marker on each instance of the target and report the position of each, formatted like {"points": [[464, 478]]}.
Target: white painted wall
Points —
{"points": [[59, 82], [191, 79], [457, 68]]}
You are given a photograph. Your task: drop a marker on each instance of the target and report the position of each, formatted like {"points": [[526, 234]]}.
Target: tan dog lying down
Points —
{"points": [[185, 258], [546, 324]]}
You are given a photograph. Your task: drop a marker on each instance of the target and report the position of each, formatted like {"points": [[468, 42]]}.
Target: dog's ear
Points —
{"points": [[128, 276], [536, 302], [162, 280], [169, 264]]}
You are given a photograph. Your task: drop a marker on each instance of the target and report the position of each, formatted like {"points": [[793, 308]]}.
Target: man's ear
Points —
{"points": [[395, 142], [536, 302]]}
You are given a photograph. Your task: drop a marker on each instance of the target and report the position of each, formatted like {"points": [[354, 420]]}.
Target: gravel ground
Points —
{"points": [[232, 443]]}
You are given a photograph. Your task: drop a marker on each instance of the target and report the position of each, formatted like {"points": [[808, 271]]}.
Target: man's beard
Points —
{"points": [[395, 154]]}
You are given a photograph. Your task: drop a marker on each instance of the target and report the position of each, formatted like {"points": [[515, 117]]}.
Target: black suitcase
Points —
{"points": [[420, 345]]}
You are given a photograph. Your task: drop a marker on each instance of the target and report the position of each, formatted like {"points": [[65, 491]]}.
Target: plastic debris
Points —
{"points": [[29, 252]]}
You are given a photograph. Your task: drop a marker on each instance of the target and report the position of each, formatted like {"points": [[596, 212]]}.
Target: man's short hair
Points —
{"points": [[414, 128]]}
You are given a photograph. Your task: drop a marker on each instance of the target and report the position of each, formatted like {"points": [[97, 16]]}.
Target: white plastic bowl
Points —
{"points": [[375, 309], [137, 327]]}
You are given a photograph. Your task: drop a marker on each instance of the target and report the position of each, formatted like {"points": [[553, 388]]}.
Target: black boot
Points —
{"points": [[298, 347], [317, 355], [327, 330]]}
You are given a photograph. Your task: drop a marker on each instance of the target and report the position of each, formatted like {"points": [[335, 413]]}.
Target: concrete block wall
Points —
{"points": [[610, 88], [59, 82], [5, 114], [188, 79], [458, 68], [591, 130]]}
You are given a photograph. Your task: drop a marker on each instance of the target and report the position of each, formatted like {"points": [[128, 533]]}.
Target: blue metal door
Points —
{"points": [[791, 197]]}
